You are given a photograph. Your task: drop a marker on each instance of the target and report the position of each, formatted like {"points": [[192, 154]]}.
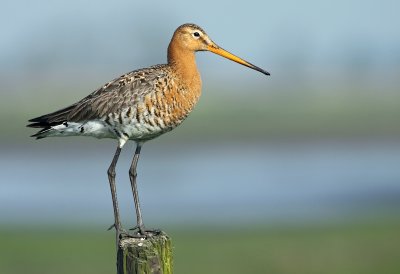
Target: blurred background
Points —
{"points": [[293, 173]]}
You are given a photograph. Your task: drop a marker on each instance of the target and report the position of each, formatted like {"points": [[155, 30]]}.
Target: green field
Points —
{"points": [[360, 248]]}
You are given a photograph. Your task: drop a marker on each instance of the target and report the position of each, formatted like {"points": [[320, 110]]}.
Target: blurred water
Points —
{"points": [[44, 182]]}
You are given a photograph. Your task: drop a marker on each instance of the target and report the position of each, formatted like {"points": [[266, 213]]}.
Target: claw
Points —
{"points": [[126, 234], [140, 232], [143, 232]]}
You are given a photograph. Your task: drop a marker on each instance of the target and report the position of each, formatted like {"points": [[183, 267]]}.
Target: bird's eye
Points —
{"points": [[196, 34]]}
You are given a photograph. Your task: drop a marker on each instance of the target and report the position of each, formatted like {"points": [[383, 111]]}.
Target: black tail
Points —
{"points": [[45, 122]]}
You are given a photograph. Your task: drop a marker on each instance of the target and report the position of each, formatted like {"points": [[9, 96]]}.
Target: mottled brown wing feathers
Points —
{"points": [[113, 97], [116, 95]]}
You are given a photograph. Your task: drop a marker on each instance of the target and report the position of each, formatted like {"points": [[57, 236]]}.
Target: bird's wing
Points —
{"points": [[113, 97]]}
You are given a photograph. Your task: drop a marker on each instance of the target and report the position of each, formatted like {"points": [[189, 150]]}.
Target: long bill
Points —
{"points": [[220, 51]]}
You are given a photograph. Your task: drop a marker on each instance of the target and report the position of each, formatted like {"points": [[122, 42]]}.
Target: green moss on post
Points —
{"points": [[152, 255]]}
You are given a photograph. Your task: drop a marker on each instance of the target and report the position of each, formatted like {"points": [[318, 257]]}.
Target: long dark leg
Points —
{"points": [[132, 177], [111, 179]]}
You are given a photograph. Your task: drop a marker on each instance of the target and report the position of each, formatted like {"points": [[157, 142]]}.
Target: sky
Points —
{"points": [[307, 40]]}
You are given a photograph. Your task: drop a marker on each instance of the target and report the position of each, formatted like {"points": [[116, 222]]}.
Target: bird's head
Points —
{"points": [[193, 38]]}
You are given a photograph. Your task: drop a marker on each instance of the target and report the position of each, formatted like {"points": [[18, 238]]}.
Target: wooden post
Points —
{"points": [[151, 255]]}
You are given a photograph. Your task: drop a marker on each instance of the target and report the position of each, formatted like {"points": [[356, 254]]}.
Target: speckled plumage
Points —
{"points": [[139, 106]]}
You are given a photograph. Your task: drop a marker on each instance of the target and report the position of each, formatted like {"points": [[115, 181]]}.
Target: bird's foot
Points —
{"points": [[137, 232], [122, 233], [141, 232]]}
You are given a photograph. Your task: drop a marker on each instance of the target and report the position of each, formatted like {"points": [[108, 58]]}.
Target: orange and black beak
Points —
{"points": [[220, 51]]}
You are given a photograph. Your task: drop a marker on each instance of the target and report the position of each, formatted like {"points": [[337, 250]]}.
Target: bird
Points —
{"points": [[139, 106]]}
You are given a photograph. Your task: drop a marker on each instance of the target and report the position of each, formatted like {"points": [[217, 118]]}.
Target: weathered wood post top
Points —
{"points": [[151, 255]]}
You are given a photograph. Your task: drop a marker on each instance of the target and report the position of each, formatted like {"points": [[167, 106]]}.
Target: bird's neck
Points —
{"points": [[183, 62]]}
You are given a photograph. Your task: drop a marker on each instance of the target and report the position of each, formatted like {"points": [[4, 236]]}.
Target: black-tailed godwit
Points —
{"points": [[139, 106]]}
